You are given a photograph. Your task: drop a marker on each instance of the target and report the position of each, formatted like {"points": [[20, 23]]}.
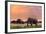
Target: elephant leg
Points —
{"points": [[27, 24], [31, 24]]}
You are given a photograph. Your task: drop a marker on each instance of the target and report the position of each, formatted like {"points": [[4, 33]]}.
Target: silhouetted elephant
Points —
{"points": [[31, 21], [13, 21], [35, 21], [39, 21], [19, 21]]}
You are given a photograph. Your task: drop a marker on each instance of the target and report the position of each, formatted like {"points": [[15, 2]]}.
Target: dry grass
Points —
{"points": [[18, 26]]}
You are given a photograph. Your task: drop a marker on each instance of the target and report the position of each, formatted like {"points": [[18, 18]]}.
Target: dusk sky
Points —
{"points": [[24, 12]]}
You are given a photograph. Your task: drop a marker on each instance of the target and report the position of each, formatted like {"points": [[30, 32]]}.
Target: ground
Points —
{"points": [[19, 26]]}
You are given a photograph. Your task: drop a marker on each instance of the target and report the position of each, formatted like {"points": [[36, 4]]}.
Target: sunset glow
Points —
{"points": [[23, 12]]}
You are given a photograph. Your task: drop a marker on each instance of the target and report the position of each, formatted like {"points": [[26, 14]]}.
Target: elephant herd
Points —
{"points": [[29, 21]]}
